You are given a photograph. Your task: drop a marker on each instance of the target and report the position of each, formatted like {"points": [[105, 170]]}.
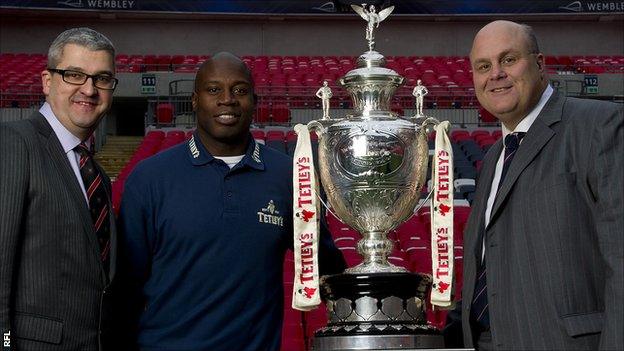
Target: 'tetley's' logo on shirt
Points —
{"points": [[193, 147], [270, 215]]}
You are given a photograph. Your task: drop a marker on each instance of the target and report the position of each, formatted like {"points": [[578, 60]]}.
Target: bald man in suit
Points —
{"points": [[543, 267]]}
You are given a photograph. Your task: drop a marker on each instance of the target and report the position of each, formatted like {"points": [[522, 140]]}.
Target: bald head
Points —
{"points": [[520, 32], [217, 60]]}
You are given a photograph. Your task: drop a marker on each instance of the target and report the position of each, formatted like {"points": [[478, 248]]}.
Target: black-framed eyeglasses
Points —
{"points": [[100, 81]]}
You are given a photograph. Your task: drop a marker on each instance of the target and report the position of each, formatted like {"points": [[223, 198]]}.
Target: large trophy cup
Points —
{"points": [[373, 166]]}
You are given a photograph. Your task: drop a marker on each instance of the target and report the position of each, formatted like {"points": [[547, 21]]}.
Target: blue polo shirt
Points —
{"points": [[203, 247]]}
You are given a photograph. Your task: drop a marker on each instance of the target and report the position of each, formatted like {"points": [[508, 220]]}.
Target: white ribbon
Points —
{"points": [[442, 219], [306, 294]]}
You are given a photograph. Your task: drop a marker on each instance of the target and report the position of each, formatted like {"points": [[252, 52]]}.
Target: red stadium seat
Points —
{"points": [[175, 135], [275, 135], [155, 134], [258, 134], [164, 113], [486, 117]]}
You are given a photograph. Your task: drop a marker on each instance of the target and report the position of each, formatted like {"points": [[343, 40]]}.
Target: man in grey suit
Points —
{"points": [[543, 263], [57, 237]]}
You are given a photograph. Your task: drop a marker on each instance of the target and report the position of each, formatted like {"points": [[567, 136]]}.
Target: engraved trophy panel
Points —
{"points": [[372, 172]]}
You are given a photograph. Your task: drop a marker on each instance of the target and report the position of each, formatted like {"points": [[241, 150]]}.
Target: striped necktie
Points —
{"points": [[479, 310], [98, 201], [512, 142]]}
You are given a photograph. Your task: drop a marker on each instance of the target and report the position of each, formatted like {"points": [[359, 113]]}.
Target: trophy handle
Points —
{"points": [[316, 127], [427, 124], [320, 128]]}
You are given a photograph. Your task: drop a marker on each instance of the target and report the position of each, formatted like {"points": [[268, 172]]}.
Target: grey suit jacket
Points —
{"points": [[54, 294], [554, 244]]}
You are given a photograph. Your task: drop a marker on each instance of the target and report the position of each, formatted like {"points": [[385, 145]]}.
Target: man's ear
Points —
{"points": [[46, 81], [255, 98], [541, 63], [194, 101]]}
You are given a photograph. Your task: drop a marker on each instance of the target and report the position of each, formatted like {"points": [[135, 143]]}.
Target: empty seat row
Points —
{"points": [[407, 65], [453, 71]]}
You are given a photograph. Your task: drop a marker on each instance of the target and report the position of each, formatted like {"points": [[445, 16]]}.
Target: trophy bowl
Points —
{"points": [[373, 164], [372, 169]]}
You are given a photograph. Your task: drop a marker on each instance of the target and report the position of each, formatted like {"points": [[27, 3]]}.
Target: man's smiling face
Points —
{"points": [[508, 77]]}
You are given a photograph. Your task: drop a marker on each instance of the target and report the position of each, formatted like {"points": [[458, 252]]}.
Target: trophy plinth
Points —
{"points": [[376, 311]]}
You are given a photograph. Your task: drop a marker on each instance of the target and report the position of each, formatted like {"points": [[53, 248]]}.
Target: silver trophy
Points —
{"points": [[373, 166]]}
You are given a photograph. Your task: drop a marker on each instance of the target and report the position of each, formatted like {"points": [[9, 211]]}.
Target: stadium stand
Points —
{"points": [[447, 78]]}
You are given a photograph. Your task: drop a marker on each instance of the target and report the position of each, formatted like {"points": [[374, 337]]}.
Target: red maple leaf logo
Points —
{"points": [[442, 286], [444, 209], [306, 215], [308, 292]]}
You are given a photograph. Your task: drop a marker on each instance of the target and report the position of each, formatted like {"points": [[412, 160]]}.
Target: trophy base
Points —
{"points": [[378, 342], [374, 267], [377, 311]]}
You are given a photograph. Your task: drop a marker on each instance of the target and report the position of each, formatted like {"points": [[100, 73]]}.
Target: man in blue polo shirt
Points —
{"points": [[206, 225]]}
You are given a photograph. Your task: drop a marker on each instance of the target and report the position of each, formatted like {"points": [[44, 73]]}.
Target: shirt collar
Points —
{"points": [[527, 121], [200, 156], [67, 139]]}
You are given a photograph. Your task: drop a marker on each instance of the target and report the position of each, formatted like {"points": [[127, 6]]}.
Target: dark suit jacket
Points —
{"points": [[555, 237], [54, 294]]}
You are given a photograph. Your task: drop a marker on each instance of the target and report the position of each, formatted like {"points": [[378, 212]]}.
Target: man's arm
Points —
{"points": [[452, 332], [13, 193], [606, 180], [331, 260], [134, 257]]}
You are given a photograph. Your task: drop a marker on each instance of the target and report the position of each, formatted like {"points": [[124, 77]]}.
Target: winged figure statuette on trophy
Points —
{"points": [[373, 18]]}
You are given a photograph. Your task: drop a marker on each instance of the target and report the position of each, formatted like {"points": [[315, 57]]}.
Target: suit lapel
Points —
{"points": [[536, 138], [483, 193], [55, 150]]}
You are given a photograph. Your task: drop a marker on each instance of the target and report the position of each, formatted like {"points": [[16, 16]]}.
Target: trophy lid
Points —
{"points": [[371, 63], [371, 85]]}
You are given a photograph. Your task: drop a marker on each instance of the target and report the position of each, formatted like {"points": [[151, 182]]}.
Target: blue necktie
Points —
{"points": [[479, 311]]}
